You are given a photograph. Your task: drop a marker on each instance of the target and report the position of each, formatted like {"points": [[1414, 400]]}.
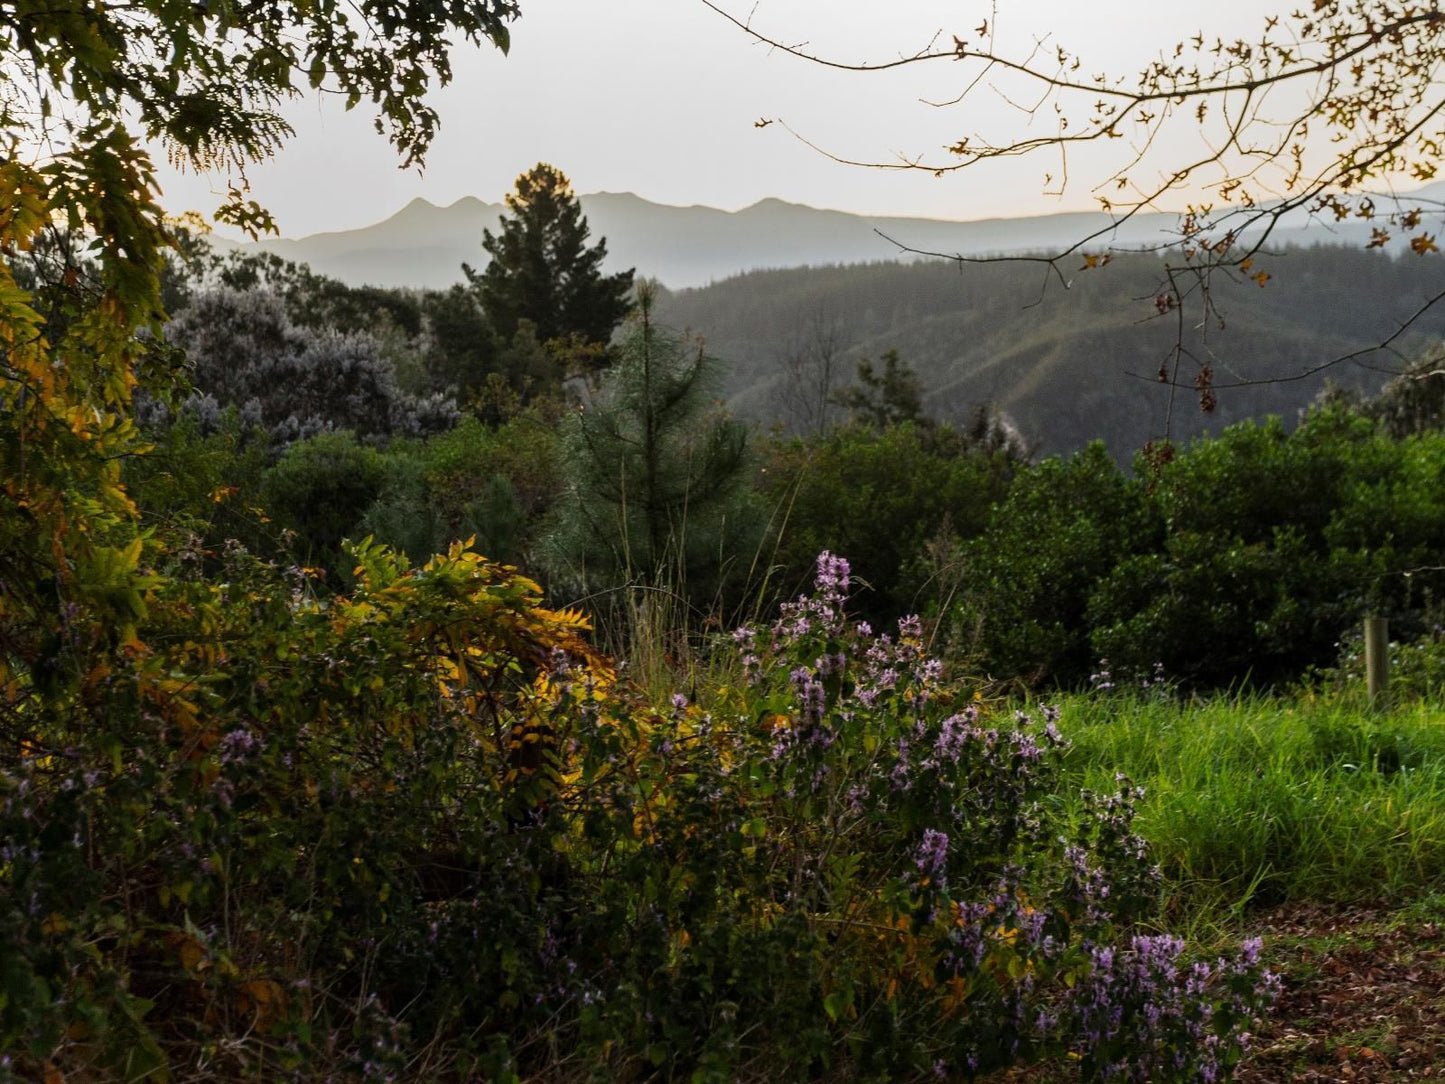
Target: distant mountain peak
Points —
{"points": [[419, 205]]}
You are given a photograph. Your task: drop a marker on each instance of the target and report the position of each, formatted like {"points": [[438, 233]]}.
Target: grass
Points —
{"points": [[1257, 801], [1313, 822]]}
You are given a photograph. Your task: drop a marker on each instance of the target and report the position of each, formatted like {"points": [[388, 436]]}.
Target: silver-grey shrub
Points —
{"points": [[243, 351]]}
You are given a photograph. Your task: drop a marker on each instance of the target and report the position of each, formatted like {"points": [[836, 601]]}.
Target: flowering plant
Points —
{"points": [[423, 830], [909, 833]]}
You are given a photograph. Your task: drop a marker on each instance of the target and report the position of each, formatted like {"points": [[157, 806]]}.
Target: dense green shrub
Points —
{"points": [[1243, 557], [1027, 580], [473, 462], [320, 489], [882, 496], [1213, 609], [1275, 544], [207, 485], [493, 485]]}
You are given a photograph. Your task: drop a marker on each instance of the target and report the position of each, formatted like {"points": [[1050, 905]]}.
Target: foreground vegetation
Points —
{"points": [[421, 831]]}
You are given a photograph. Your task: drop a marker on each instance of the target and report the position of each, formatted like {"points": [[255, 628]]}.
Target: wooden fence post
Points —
{"points": [[1377, 659]]}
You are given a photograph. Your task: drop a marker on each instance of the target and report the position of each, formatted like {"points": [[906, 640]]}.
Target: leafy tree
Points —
{"points": [[654, 470], [80, 85], [1245, 582], [542, 269], [463, 346]]}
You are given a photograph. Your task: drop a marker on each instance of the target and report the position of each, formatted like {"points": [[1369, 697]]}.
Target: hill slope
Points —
{"points": [[1071, 365]]}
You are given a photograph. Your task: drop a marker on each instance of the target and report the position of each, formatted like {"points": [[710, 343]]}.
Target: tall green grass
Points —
{"points": [[1255, 800]]}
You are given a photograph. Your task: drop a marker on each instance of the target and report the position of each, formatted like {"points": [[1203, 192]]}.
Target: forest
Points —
{"points": [[462, 685]]}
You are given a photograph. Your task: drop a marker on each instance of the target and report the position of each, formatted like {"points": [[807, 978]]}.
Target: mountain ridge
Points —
{"points": [[423, 244]]}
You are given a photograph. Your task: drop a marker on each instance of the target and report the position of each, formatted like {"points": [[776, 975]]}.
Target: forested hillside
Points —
{"points": [[1069, 365]]}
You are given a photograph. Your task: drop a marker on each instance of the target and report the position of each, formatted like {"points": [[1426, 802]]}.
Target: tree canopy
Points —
{"points": [[206, 80]]}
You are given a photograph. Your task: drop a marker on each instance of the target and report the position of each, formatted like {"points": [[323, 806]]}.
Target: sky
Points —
{"points": [[661, 98]]}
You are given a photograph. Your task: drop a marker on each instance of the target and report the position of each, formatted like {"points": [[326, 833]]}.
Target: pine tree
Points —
{"points": [[542, 269], [883, 399], [656, 471]]}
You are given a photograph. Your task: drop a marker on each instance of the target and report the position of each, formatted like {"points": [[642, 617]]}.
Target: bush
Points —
{"points": [[420, 831], [1212, 610], [294, 382], [208, 485], [1241, 558], [320, 489], [881, 496], [1063, 527]]}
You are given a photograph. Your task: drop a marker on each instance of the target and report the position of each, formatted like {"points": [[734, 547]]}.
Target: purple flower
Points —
{"points": [[810, 693], [932, 856], [240, 744], [832, 577]]}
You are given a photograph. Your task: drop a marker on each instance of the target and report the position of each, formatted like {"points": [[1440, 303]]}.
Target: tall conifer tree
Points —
{"points": [[542, 269], [657, 470]]}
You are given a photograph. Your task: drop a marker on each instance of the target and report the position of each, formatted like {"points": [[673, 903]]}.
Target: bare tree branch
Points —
{"points": [[1298, 123]]}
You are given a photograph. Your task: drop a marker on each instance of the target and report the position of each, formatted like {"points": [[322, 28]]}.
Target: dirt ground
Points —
{"points": [[1363, 1001]]}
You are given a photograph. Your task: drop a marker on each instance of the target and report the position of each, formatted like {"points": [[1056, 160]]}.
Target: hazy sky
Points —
{"points": [[659, 97]]}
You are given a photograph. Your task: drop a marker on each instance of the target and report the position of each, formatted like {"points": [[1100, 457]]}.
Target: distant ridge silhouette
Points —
{"points": [[424, 245]]}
